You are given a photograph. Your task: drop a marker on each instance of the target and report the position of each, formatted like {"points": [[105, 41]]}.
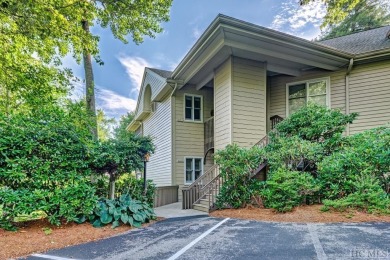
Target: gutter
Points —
{"points": [[350, 66]]}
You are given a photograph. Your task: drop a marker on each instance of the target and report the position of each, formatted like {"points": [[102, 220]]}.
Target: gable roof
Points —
{"points": [[163, 73], [361, 42]]}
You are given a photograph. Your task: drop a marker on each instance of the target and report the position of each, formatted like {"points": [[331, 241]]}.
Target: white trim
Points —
{"points": [[184, 249], [52, 257], [307, 82], [192, 111], [193, 162]]}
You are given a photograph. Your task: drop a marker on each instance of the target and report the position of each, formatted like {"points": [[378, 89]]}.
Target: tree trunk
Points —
{"points": [[111, 193], [90, 86]]}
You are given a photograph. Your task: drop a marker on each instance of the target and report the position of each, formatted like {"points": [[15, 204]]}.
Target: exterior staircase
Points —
{"points": [[202, 193]]}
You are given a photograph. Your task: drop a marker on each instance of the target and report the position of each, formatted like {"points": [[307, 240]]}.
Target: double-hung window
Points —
{"points": [[193, 169], [193, 108], [302, 93]]}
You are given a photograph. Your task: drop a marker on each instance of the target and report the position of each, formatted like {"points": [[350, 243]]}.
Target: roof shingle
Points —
{"points": [[361, 42], [163, 73]]}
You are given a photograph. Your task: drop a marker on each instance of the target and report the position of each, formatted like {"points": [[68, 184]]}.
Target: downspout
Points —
{"points": [[347, 90], [173, 130]]}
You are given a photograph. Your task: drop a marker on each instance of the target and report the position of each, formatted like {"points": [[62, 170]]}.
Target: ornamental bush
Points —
{"points": [[286, 189], [236, 165], [129, 184], [44, 167]]}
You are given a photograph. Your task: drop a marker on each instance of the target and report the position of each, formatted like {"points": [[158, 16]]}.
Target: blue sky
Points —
{"points": [[119, 79]]}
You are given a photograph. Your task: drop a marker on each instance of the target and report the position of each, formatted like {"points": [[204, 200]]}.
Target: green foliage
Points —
{"points": [[367, 14], [120, 132], [104, 125], [367, 153], [128, 184], [339, 10], [236, 165], [368, 196], [44, 167], [286, 189], [315, 123], [121, 156], [121, 210]]}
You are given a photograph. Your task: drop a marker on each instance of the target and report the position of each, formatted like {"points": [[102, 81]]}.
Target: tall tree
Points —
{"points": [[338, 10], [366, 15], [51, 29], [120, 132]]}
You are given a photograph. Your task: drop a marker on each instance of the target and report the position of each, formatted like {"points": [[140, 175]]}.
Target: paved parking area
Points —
{"points": [[202, 237]]}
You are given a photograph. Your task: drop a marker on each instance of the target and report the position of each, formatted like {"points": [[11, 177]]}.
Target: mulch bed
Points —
{"points": [[311, 214], [31, 237]]}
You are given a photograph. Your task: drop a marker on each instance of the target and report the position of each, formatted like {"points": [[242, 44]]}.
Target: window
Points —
{"points": [[302, 93], [193, 108], [193, 169]]}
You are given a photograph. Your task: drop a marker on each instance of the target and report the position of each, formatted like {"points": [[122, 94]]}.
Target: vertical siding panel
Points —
{"points": [[222, 92], [249, 101], [369, 95]]}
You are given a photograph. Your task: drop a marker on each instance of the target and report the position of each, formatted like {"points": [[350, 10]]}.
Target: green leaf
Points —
{"points": [[105, 218], [125, 218], [115, 224], [97, 223], [131, 221], [137, 224]]}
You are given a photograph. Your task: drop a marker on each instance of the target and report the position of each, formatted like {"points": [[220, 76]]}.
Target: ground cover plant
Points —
{"points": [[310, 161]]}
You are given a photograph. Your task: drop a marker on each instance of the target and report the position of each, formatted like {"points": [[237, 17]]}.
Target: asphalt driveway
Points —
{"points": [[214, 238]]}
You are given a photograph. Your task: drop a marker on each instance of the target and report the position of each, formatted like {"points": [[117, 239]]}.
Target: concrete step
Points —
{"points": [[201, 207]]}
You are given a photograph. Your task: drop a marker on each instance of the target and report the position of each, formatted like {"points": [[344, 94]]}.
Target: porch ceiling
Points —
{"points": [[284, 54]]}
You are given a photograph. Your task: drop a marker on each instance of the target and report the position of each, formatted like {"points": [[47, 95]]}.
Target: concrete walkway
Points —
{"points": [[174, 211]]}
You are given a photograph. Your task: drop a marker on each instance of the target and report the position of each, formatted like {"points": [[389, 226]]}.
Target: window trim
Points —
{"points": [[307, 82], [184, 108], [193, 161]]}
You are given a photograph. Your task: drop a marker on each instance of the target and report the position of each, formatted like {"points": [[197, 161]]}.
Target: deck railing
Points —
{"points": [[193, 192], [208, 134], [210, 182]]}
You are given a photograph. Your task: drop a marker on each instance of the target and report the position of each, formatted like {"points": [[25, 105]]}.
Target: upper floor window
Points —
{"points": [[301, 93], [193, 108]]}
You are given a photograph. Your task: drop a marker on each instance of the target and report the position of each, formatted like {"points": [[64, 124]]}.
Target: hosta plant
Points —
{"points": [[121, 210]]}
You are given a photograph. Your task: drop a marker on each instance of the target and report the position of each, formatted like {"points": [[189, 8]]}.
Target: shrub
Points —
{"points": [[44, 166], [236, 165], [286, 189], [368, 196], [367, 153], [129, 184], [121, 210]]}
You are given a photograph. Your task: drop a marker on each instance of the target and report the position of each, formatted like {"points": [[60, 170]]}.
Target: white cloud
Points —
{"points": [[294, 18], [135, 67], [113, 104], [110, 101], [196, 32]]}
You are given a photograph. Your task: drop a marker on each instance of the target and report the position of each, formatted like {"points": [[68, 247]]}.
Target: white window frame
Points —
{"points": [[193, 165], [307, 82], [192, 110]]}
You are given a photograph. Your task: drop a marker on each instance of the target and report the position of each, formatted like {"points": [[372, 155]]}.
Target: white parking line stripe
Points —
{"points": [[316, 242], [184, 249], [52, 257]]}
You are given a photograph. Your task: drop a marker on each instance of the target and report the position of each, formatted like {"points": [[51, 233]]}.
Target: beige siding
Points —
{"points": [[248, 102], [189, 136], [278, 90], [223, 106], [158, 126], [369, 95]]}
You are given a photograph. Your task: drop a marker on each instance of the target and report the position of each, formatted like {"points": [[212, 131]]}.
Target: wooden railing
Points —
{"points": [[275, 120], [193, 192], [210, 182], [208, 134]]}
